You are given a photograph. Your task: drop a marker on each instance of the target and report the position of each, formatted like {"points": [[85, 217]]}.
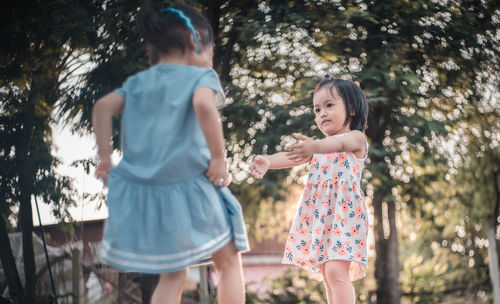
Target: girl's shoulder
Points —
{"points": [[354, 142], [169, 69], [352, 135], [161, 74], [184, 73], [180, 80]]}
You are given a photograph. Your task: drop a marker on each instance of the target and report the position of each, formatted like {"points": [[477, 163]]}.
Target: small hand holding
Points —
{"points": [[260, 166], [102, 170], [301, 151], [217, 172]]}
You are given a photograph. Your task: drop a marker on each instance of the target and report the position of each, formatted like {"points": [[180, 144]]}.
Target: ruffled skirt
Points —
{"points": [[166, 228]]}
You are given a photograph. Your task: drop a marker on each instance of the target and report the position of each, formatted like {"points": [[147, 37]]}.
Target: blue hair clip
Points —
{"points": [[187, 22]]}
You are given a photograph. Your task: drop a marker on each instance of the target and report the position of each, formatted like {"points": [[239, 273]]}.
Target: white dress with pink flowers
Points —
{"points": [[331, 221]]}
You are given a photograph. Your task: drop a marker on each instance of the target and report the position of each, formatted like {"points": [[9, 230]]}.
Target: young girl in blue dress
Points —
{"points": [[328, 235], [168, 203]]}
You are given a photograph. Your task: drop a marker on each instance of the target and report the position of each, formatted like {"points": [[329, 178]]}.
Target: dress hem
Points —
{"points": [[147, 266], [316, 274]]}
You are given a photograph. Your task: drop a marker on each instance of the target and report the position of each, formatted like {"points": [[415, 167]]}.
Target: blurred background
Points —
{"points": [[430, 70]]}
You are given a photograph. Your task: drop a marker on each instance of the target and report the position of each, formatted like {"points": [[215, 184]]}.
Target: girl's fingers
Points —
{"points": [[259, 159], [256, 173], [102, 176], [294, 154], [292, 147], [295, 147], [300, 136], [296, 157], [217, 181], [212, 178]]}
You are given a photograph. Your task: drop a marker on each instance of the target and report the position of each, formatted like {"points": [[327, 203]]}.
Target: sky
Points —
{"points": [[71, 147]]}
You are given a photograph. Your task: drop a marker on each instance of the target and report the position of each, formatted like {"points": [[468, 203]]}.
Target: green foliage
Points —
{"points": [[418, 62], [38, 59], [41, 51], [442, 246], [426, 67]]}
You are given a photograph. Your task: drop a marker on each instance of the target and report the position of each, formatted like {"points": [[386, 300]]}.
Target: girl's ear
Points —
{"points": [[192, 43]]}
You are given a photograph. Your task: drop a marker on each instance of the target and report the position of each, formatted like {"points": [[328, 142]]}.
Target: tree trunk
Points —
{"points": [[492, 248], [26, 214], [493, 265], [213, 16], [224, 58], [226, 65], [26, 221], [9, 266], [26, 180], [386, 246]]}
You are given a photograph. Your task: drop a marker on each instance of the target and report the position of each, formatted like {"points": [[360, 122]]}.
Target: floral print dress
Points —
{"points": [[331, 221]]}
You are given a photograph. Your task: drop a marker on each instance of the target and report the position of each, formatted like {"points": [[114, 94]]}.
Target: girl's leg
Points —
{"points": [[329, 294], [337, 276], [169, 288], [228, 265]]}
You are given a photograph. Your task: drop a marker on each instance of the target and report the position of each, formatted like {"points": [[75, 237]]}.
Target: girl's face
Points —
{"points": [[330, 112]]}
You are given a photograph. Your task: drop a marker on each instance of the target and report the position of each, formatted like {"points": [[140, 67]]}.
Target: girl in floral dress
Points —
{"points": [[329, 233]]}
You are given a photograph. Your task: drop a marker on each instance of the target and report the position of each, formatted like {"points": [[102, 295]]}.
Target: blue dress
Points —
{"points": [[164, 214]]}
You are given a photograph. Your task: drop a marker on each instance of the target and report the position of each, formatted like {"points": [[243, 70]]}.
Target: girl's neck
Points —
{"points": [[339, 133], [174, 58]]}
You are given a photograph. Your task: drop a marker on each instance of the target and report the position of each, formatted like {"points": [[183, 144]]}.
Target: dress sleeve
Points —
{"points": [[210, 80], [123, 89]]}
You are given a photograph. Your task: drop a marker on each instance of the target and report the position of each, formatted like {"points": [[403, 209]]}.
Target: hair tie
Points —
{"points": [[328, 77], [187, 22]]}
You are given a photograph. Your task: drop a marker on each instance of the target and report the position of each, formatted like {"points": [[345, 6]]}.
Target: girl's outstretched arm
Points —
{"points": [[208, 116], [280, 160], [353, 141], [102, 115]]}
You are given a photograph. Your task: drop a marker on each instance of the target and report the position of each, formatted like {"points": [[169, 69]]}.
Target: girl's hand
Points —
{"points": [[217, 172], [260, 166], [302, 151], [102, 170]]}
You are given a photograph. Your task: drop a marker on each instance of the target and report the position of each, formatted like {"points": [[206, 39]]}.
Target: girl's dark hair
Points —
{"points": [[163, 31], [355, 101]]}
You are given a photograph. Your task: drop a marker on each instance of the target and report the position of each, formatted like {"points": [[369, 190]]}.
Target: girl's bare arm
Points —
{"points": [[208, 116], [102, 115], [279, 160], [353, 141]]}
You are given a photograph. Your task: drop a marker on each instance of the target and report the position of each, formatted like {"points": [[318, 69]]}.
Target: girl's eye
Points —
{"points": [[329, 105], [316, 110]]}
